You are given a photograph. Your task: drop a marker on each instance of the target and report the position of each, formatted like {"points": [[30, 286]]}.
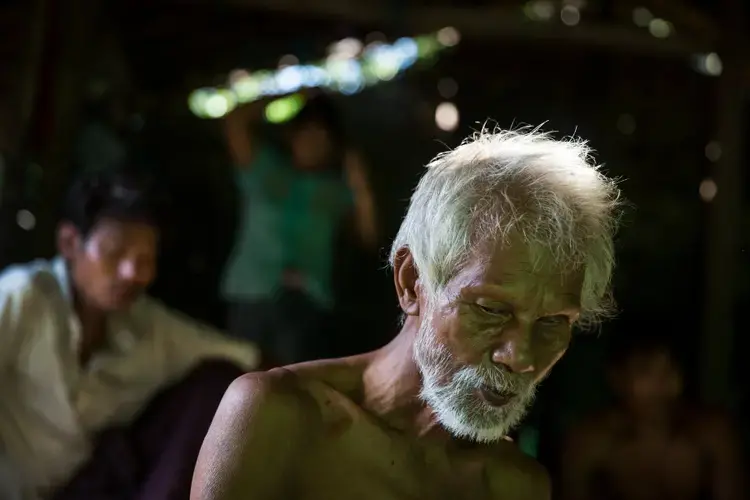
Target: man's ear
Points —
{"points": [[68, 240], [406, 279]]}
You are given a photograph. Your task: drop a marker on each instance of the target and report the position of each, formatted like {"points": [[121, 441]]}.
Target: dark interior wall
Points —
{"points": [[661, 161]]}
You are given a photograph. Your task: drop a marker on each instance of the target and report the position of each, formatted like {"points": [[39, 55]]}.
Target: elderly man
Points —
{"points": [[506, 246]]}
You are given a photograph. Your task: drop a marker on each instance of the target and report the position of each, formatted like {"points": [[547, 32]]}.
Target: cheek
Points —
{"points": [[545, 359], [468, 340], [150, 273], [89, 278], [97, 267], [550, 358], [551, 346], [550, 340]]}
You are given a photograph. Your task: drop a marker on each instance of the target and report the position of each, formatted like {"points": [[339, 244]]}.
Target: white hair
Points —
{"points": [[522, 183]]}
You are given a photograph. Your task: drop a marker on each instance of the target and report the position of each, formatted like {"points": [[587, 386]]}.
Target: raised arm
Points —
{"points": [[239, 128], [364, 202], [261, 430]]}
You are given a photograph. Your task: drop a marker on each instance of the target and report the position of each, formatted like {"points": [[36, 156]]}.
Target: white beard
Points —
{"points": [[454, 398]]}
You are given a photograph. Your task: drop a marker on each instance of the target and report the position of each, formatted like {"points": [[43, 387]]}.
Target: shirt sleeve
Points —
{"points": [[187, 343], [11, 486], [15, 301]]}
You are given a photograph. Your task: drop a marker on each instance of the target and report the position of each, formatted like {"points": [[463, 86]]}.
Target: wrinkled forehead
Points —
{"points": [[525, 274]]}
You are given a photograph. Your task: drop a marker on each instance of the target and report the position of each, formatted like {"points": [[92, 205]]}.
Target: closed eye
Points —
{"points": [[493, 311], [557, 320]]}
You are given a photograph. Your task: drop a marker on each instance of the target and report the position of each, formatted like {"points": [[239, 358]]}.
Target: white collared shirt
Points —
{"points": [[50, 407]]}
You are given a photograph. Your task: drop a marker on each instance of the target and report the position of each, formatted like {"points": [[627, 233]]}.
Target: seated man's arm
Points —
{"points": [[187, 342], [263, 426], [11, 488], [8, 326], [18, 303], [20, 311]]}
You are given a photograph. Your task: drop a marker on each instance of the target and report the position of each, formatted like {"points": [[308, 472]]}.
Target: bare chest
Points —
{"points": [[365, 463], [667, 469]]}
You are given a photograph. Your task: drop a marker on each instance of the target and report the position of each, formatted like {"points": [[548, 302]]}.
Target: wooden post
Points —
{"points": [[724, 218], [21, 37], [66, 60]]}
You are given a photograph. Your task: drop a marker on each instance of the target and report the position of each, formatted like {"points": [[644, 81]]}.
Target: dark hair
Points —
{"points": [[320, 110], [123, 194]]}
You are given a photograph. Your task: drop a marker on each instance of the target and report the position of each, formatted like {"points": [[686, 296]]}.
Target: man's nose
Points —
{"points": [[514, 351]]}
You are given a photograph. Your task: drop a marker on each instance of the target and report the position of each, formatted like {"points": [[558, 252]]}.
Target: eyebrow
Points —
{"points": [[477, 289], [571, 300], [575, 299]]}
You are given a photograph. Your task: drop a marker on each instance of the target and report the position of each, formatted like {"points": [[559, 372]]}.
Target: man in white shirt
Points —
{"points": [[104, 392]]}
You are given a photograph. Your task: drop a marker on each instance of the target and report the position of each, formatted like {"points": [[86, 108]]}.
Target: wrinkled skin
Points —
{"points": [[409, 420]]}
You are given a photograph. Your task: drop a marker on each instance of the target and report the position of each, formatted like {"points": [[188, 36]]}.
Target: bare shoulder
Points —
{"points": [[264, 423], [278, 392], [259, 406], [517, 476], [298, 394]]}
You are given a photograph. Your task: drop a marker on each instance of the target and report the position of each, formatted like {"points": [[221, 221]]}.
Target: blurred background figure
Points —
{"points": [[653, 443], [298, 186], [105, 390]]}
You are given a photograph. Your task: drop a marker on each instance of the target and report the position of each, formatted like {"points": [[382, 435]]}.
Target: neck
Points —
{"points": [[93, 326], [303, 161], [655, 421], [392, 384]]}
